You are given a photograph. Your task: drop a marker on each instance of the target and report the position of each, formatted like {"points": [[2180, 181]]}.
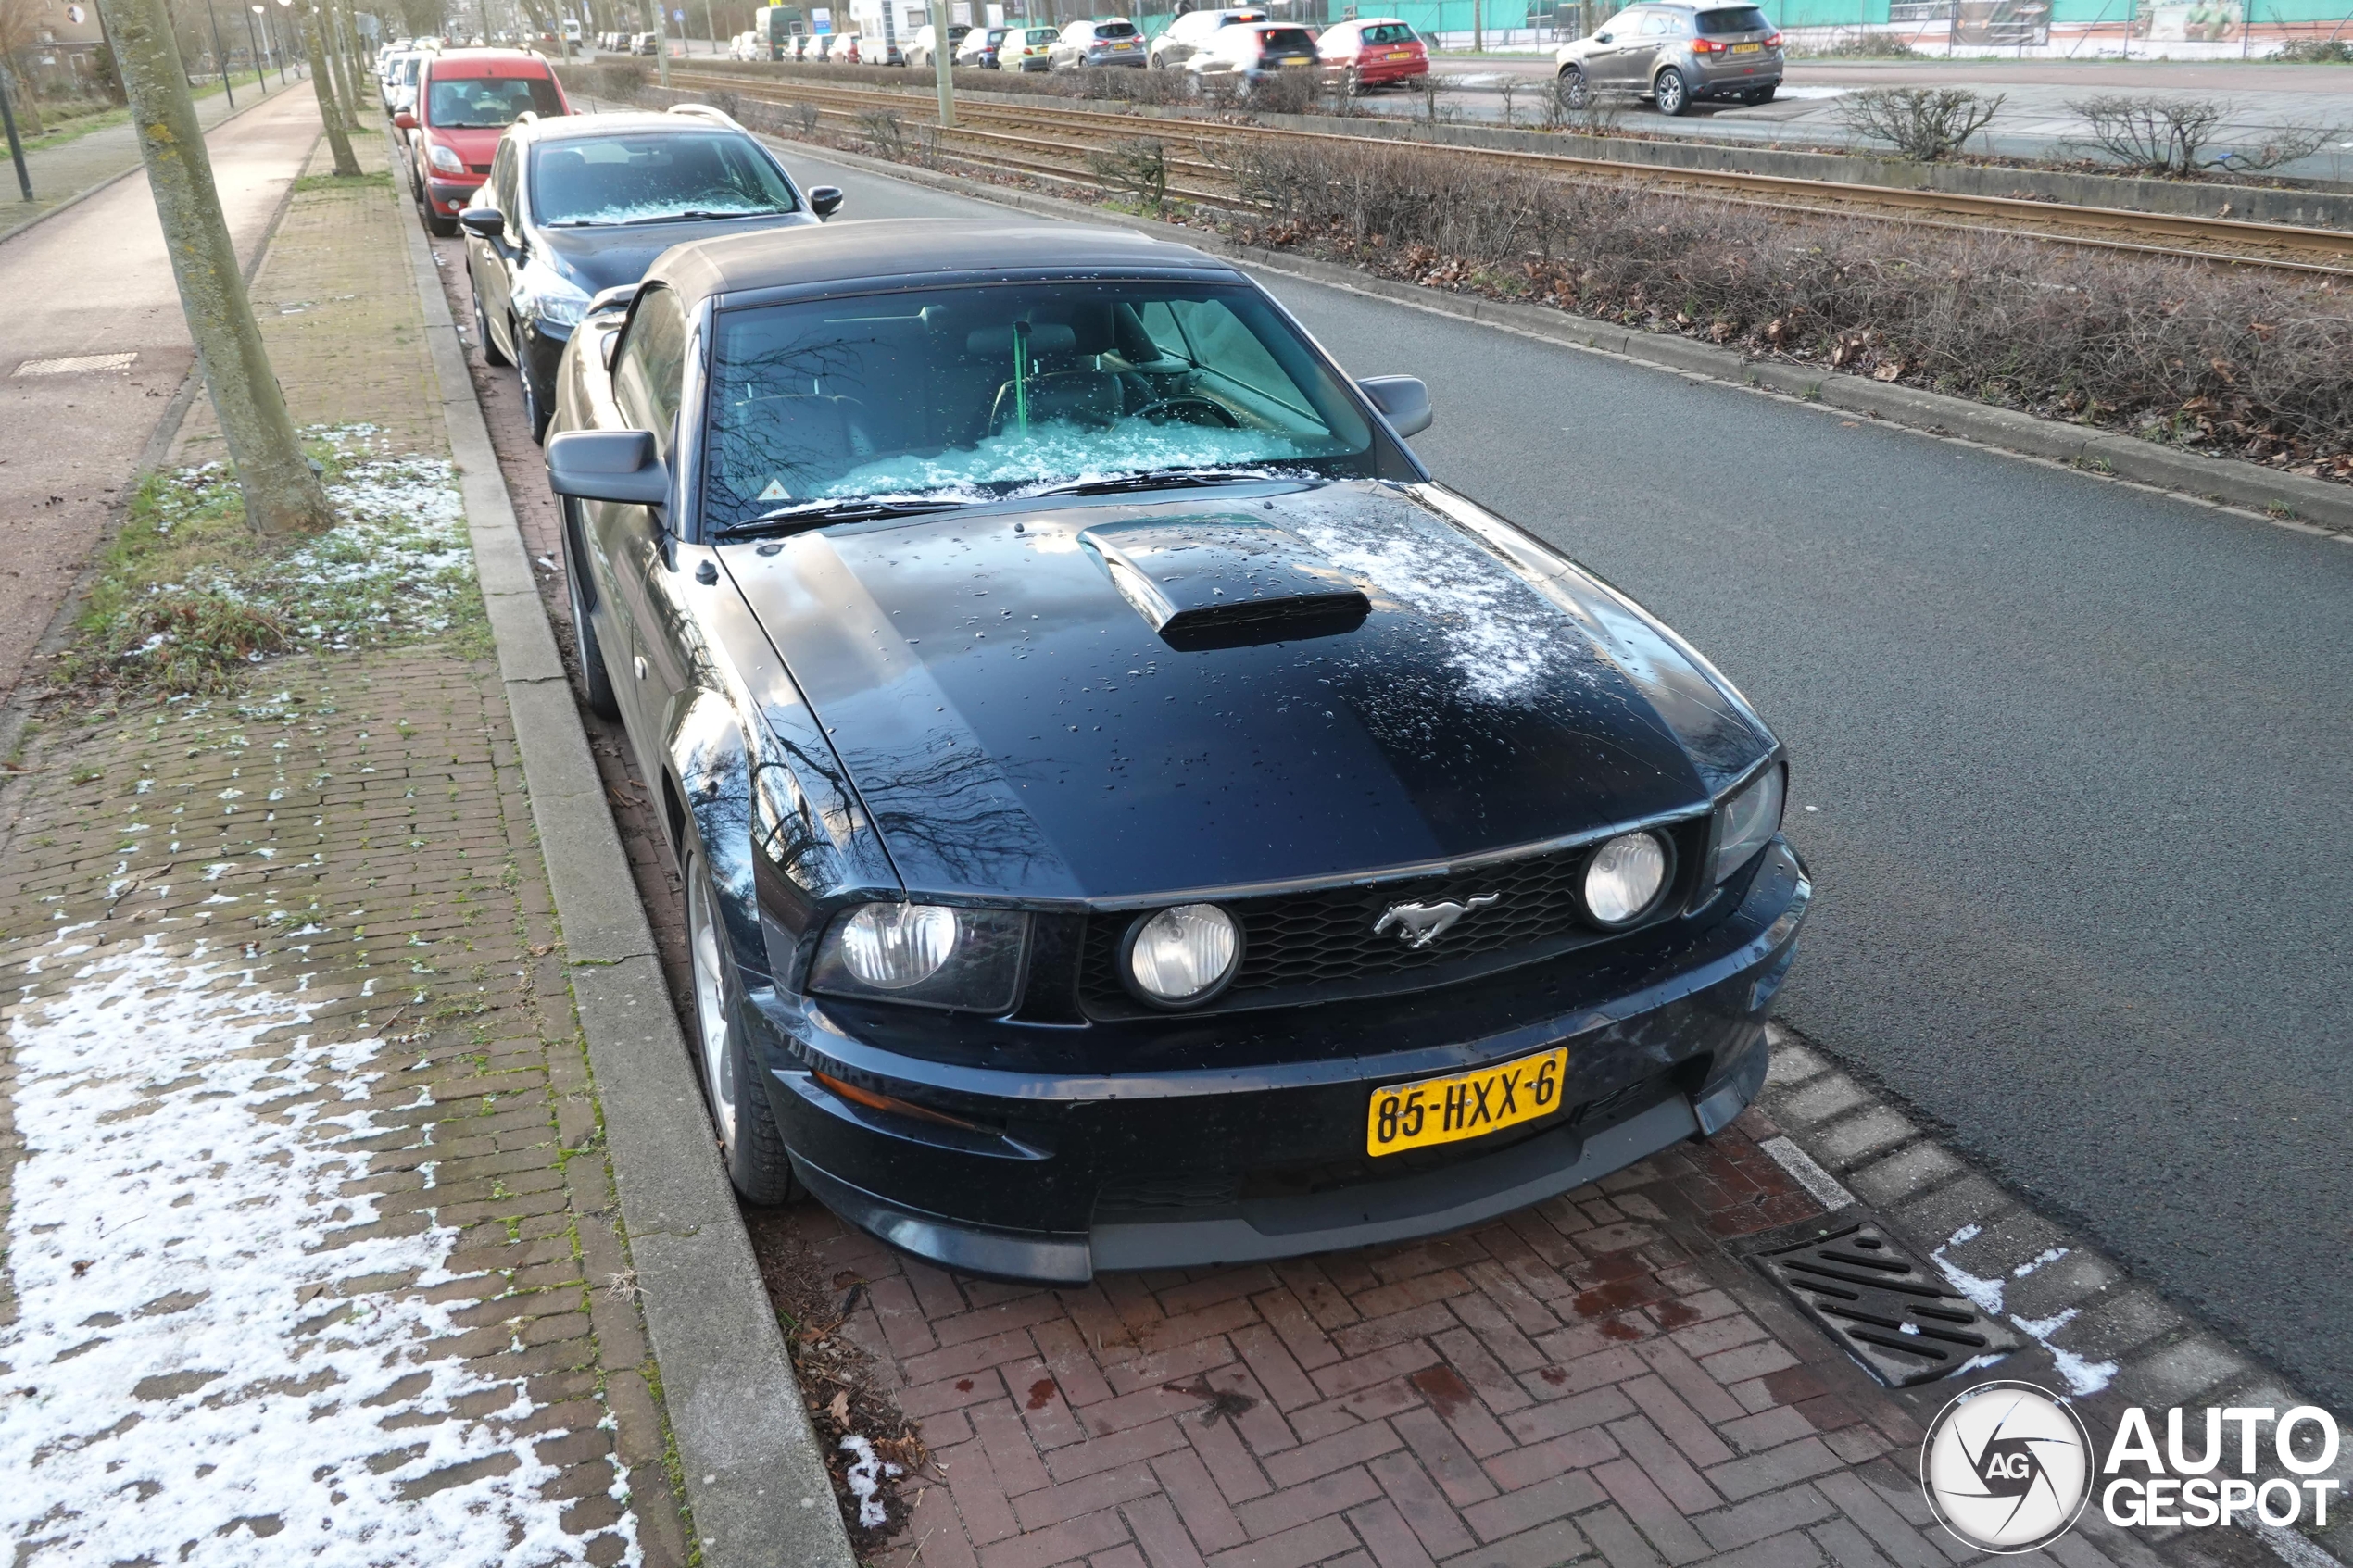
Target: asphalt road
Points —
{"points": [[93, 282], [2069, 769]]}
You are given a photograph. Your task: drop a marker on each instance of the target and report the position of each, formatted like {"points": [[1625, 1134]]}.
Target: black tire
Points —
{"points": [[1573, 91], [593, 676], [490, 355], [1672, 92], [440, 228], [749, 1144], [1762, 95], [536, 408]]}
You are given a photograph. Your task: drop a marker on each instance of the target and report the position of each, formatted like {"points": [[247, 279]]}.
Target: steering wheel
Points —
{"points": [[1186, 408]]}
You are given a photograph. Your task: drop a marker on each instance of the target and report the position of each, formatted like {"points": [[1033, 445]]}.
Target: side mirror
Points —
{"points": [[824, 200], [1404, 399], [404, 120], [608, 465], [487, 222]]}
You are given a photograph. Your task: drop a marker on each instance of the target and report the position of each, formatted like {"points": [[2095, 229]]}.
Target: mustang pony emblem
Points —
{"points": [[1421, 924]]}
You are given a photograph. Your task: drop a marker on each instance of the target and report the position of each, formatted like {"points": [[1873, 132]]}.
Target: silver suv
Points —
{"points": [[1675, 53]]}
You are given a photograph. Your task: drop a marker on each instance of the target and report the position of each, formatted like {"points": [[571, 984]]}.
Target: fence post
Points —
{"points": [[15, 148]]}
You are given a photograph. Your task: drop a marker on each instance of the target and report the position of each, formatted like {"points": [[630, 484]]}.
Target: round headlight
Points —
{"points": [[894, 946], [1624, 876], [1185, 954]]}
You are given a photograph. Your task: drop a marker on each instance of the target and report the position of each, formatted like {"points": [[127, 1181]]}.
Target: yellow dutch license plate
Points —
{"points": [[1746, 48], [1470, 1105]]}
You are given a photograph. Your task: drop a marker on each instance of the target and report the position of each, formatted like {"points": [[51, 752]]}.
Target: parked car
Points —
{"points": [[978, 50], [821, 48], [1247, 51], [466, 98], [579, 205], [401, 80], [1372, 52], [1675, 54], [1027, 49], [1084, 44], [800, 46], [1129, 815], [646, 44], [920, 47], [1184, 37]]}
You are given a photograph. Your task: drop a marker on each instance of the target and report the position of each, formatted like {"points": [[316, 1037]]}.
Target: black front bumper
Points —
{"points": [[1073, 1172]]}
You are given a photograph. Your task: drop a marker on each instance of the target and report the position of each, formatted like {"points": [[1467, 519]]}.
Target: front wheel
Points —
{"points": [[593, 676], [490, 354], [535, 407], [749, 1142], [1573, 91], [1674, 95]]}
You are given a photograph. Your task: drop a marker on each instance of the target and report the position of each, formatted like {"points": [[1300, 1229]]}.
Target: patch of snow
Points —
{"points": [[2084, 1376], [185, 1367], [865, 1476], [2049, 1255]]}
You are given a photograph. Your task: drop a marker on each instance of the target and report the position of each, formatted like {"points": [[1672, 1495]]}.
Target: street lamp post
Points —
{"points": [[226, 86], [15, 149], [253, 44]]}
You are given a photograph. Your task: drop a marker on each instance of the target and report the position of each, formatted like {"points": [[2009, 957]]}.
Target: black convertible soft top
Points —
{"points": [[901, 248]]}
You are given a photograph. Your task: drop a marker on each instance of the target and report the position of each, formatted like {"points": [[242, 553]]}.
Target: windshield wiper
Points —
{"points": [[812, 514], [1159, 479], [693, 214]]}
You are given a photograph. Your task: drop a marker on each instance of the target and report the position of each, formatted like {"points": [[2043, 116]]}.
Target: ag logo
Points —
{"points": [[2006, 1467]]}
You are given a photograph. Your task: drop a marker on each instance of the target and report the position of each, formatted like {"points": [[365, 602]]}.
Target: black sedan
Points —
{"points": [[1129, 815], [578, 204]]}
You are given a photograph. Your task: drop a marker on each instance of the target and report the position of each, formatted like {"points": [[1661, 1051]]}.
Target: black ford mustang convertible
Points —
{"points": [[1130, 816]]}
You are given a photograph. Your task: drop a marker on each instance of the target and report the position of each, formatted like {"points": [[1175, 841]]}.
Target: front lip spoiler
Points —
{"points": [[1282, 1227]]}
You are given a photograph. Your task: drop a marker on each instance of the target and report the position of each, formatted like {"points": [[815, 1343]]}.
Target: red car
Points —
{"points": [[1374, 52], [466, 99]]}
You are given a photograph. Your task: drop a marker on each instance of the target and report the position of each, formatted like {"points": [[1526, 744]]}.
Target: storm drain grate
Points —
{"points": [[1892, 1312], [76, 364]]}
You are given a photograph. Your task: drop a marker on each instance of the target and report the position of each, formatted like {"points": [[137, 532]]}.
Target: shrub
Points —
{"points": [[620, 78], [1862, 46], [1926, 124], [2168, 136], [881, 130], [1136, 171], [2317, 51], [2247, 362]]}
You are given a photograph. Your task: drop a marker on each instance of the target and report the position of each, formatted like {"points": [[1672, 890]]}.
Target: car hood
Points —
{"points": [[1018, 726], [610, 255]]}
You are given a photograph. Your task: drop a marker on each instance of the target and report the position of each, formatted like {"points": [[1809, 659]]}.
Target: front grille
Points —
{"points": [[1321, 945]]}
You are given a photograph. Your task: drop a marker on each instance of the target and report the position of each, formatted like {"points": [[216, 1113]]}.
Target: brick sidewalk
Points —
{"points": [[1593, 1379], [311, 1231]]}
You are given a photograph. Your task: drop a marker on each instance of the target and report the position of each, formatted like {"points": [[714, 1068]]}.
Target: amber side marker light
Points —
{"points": [[873, 1101]]}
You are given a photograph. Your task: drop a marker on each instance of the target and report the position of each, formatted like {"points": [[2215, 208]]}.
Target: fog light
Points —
{"points": [[895, 945], [1624, 876], [1184, 954]]}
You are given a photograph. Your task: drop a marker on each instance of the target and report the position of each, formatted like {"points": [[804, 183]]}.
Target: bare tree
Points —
{"points": [[323, 85], [282, 494]]}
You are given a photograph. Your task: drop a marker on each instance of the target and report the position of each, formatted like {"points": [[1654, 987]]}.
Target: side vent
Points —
{"points": [[1891, 1312], [1225, 582]]}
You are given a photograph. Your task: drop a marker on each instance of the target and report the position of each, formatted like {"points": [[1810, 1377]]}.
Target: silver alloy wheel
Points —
{"points": [[711, 1005], [1670, 92], [1574, 92]]}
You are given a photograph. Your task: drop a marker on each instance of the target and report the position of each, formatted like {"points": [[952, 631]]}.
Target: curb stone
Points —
{"points": [[2071, 1297], [754, 1477], [2286, 499]]}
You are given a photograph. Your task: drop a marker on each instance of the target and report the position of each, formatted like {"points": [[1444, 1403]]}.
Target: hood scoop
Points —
{"points": [[1225, 582]]}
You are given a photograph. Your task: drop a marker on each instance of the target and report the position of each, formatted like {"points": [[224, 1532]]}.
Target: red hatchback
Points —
{"points": [[1372, 52], [465, 101]]}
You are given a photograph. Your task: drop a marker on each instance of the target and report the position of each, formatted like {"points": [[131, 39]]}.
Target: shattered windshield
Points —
{"points": [[974, 393], [587, 181]]}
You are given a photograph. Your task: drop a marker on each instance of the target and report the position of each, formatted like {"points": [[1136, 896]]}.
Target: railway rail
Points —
{"points": [[1053, 141]]}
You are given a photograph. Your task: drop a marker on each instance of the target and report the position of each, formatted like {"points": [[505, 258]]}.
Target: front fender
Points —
{"points": [[709, 767]]}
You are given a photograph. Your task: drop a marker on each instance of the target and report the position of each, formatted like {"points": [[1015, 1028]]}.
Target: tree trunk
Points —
{"points": [[323, 84], [282, 495]]}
